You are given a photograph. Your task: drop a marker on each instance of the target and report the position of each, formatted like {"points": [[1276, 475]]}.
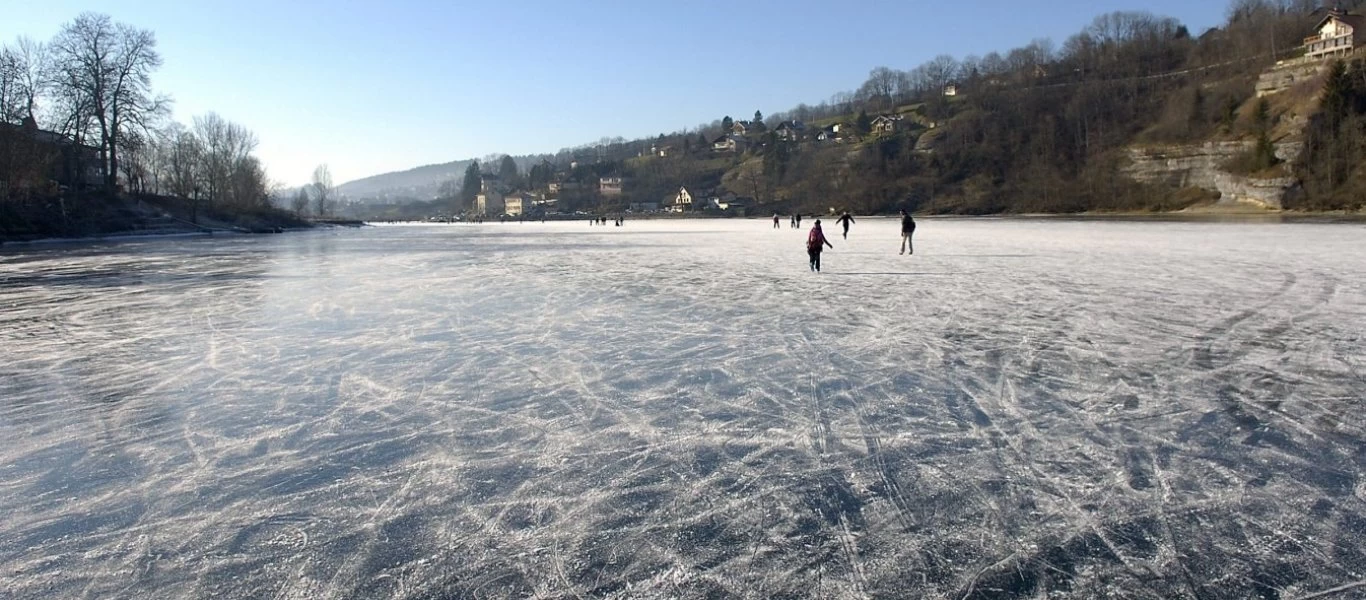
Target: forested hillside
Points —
{"points": [[1043, 128]]}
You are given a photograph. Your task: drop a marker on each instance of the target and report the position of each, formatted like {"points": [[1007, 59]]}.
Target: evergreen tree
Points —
{"points": [[507, 172], [863, 124], [726, 124], [470, 187]]}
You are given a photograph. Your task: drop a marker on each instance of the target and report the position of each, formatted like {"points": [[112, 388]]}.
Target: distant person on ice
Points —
{"points": [[846, 220], [907, 230], [775, 220], [799, 220], [792, 221], [815, 244]]}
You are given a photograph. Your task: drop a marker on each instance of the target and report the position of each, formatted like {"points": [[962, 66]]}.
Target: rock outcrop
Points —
{"points": [[1202, 166], [1285, 74]]}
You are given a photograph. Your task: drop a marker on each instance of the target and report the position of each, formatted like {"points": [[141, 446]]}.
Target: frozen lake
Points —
{"points": [[682, 409]]}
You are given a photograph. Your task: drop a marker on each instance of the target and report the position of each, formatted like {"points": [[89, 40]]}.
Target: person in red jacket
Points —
{"points": [[815, 243]]}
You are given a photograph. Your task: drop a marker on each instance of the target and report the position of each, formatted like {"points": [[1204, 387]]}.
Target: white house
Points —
{"points": [[518, 204], [609, 186], [1338, 33], [682, 201], [730, 202], [729, 143]]}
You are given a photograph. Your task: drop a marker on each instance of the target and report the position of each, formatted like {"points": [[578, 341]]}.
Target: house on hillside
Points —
{"points": [[885, 124], [951, 90], [609, 186], [1336, 34], [568, 185], [661, 150], [729, 143], [680, 202], [741, 127], [790, 131]]}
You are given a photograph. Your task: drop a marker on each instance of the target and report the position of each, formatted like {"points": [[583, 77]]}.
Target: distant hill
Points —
{"points": [[420, 183]]}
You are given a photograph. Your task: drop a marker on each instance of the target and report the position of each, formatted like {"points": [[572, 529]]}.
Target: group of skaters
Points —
{"points": [[618, 221], [816, 241]]}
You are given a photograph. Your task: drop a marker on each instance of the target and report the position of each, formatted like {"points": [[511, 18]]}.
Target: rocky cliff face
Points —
{"points": [[1201, 165], [1287, 73]]}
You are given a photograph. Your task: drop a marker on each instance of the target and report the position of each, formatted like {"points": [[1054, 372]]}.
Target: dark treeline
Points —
{"points": [[1041, 128], [81, 123]]}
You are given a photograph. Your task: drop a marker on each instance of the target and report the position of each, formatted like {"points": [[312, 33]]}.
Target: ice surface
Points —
{"points": [[681, 409]]}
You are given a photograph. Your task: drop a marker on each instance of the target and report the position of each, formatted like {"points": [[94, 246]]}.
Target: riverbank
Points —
{"points": [[100, 217]]}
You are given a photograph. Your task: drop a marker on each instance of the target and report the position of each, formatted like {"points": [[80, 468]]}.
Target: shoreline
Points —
{"points": [[1199, 216]]}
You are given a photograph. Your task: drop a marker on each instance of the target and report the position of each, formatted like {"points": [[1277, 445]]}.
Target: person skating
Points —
{"points": [[799, 220], [815, 244], [775, 220], [792, 221], [846, 220], [907, 230]]}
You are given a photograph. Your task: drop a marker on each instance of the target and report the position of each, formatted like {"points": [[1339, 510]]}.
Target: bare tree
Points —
{"points": [[10, 101], [249, 183], [322, 188], [225, 148], [182, 161], [300, 201], [33, 65], [940, 72], [881, 84], [109, 66]]}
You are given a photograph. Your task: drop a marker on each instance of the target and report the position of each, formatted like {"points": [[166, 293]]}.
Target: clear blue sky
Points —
{"points": [[375, 86]]}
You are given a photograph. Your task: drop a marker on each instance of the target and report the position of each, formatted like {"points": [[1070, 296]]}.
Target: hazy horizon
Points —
{"points": [[381, 88]]}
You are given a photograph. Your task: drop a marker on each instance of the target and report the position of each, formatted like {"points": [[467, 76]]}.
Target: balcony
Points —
{"points": [[1329, 39]]}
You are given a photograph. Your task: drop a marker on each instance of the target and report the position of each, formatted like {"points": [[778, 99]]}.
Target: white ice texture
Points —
{"points": [[681, 409]]}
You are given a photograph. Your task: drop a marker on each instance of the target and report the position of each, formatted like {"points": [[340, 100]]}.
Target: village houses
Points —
{"points": [[489, 204], [489, 201]]}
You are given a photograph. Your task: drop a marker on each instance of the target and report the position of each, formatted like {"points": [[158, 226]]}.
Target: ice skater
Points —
{"points": [[846, 220], [775, 220], [815, 244], [907, 230], [792, 221], [799, 220]]}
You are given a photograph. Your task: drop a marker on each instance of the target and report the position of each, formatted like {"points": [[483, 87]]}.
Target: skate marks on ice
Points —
{"points": [[677, 410]]}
